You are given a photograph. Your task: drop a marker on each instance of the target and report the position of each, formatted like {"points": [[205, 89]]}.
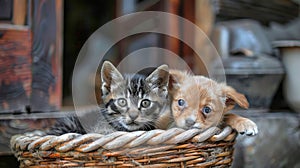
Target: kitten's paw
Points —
{"points": [[247, 127]]}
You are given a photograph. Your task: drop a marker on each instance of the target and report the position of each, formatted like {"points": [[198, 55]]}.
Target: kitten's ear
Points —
{"points": [[160, 76], [174, 80], [233, 97], [109, 76]]}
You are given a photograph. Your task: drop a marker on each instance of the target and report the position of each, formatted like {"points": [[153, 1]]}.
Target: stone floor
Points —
{"points": [[276, 145]]}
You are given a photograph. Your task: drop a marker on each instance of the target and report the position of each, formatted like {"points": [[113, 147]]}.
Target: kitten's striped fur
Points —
{"points": [[131, 102]]}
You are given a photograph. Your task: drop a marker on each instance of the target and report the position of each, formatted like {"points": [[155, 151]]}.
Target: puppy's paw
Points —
{"points": [[247, 127]]}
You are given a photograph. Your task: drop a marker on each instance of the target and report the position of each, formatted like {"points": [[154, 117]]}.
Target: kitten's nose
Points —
{"points": [[189, 122], [133, 115]]}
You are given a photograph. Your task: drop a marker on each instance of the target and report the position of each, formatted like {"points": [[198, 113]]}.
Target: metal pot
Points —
{"points": [[258, 77]]}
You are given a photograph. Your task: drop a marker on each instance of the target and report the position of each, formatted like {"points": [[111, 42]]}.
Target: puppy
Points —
{"points": [[199, 102]]}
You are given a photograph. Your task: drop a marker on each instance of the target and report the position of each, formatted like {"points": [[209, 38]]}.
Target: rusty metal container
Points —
{"points": [[258, 77]]}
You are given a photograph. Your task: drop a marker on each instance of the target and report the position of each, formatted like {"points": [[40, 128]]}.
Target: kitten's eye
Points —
{"points": [[181, 102], [145, 103], [122, 102], [206, 110]]}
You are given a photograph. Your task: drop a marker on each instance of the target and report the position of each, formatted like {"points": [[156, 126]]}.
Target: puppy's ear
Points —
{"points": [[233, 97], [109, 77]]}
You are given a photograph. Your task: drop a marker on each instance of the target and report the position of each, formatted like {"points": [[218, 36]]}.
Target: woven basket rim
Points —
{"points": [[156, 148], [117, 140]]}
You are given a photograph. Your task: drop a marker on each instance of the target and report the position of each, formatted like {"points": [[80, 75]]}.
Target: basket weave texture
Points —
{"points": [[157, 148]]}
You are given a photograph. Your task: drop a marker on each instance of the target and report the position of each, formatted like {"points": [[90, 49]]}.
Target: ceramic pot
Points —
{"points": [[290, 54]]}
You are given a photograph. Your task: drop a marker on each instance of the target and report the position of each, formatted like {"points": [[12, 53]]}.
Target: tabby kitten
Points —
{"points": [[131, 102]]}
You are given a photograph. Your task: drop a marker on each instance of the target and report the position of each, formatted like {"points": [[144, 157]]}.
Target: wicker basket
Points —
{"points": [[157, 148]]}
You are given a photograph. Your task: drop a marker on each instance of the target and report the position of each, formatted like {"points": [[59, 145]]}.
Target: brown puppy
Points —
{"points": [[199, 102]]}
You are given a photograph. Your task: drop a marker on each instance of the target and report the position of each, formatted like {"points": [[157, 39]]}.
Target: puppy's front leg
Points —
{"points": [[241, 124]]}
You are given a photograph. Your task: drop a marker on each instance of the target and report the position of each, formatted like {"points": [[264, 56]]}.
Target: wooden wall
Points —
{"points": [[30, 59], [30, 67]]}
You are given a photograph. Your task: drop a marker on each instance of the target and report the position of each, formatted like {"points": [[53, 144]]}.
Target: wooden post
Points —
{"points": [[46, 56]]}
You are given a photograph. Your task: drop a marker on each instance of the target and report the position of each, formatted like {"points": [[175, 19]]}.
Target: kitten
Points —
{"points": [[130, 103], [199, 102]]}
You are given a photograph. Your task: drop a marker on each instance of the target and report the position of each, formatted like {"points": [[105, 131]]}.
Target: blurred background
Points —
{"points": [[258, 41]]}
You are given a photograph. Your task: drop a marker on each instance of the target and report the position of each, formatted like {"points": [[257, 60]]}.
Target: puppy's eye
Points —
{"points": [[122, 102], [145, 103], [181, 102], [206, 110]]}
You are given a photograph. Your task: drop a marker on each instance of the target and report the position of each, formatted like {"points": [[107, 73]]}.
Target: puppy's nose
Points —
{"points": [[189, 122]]}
